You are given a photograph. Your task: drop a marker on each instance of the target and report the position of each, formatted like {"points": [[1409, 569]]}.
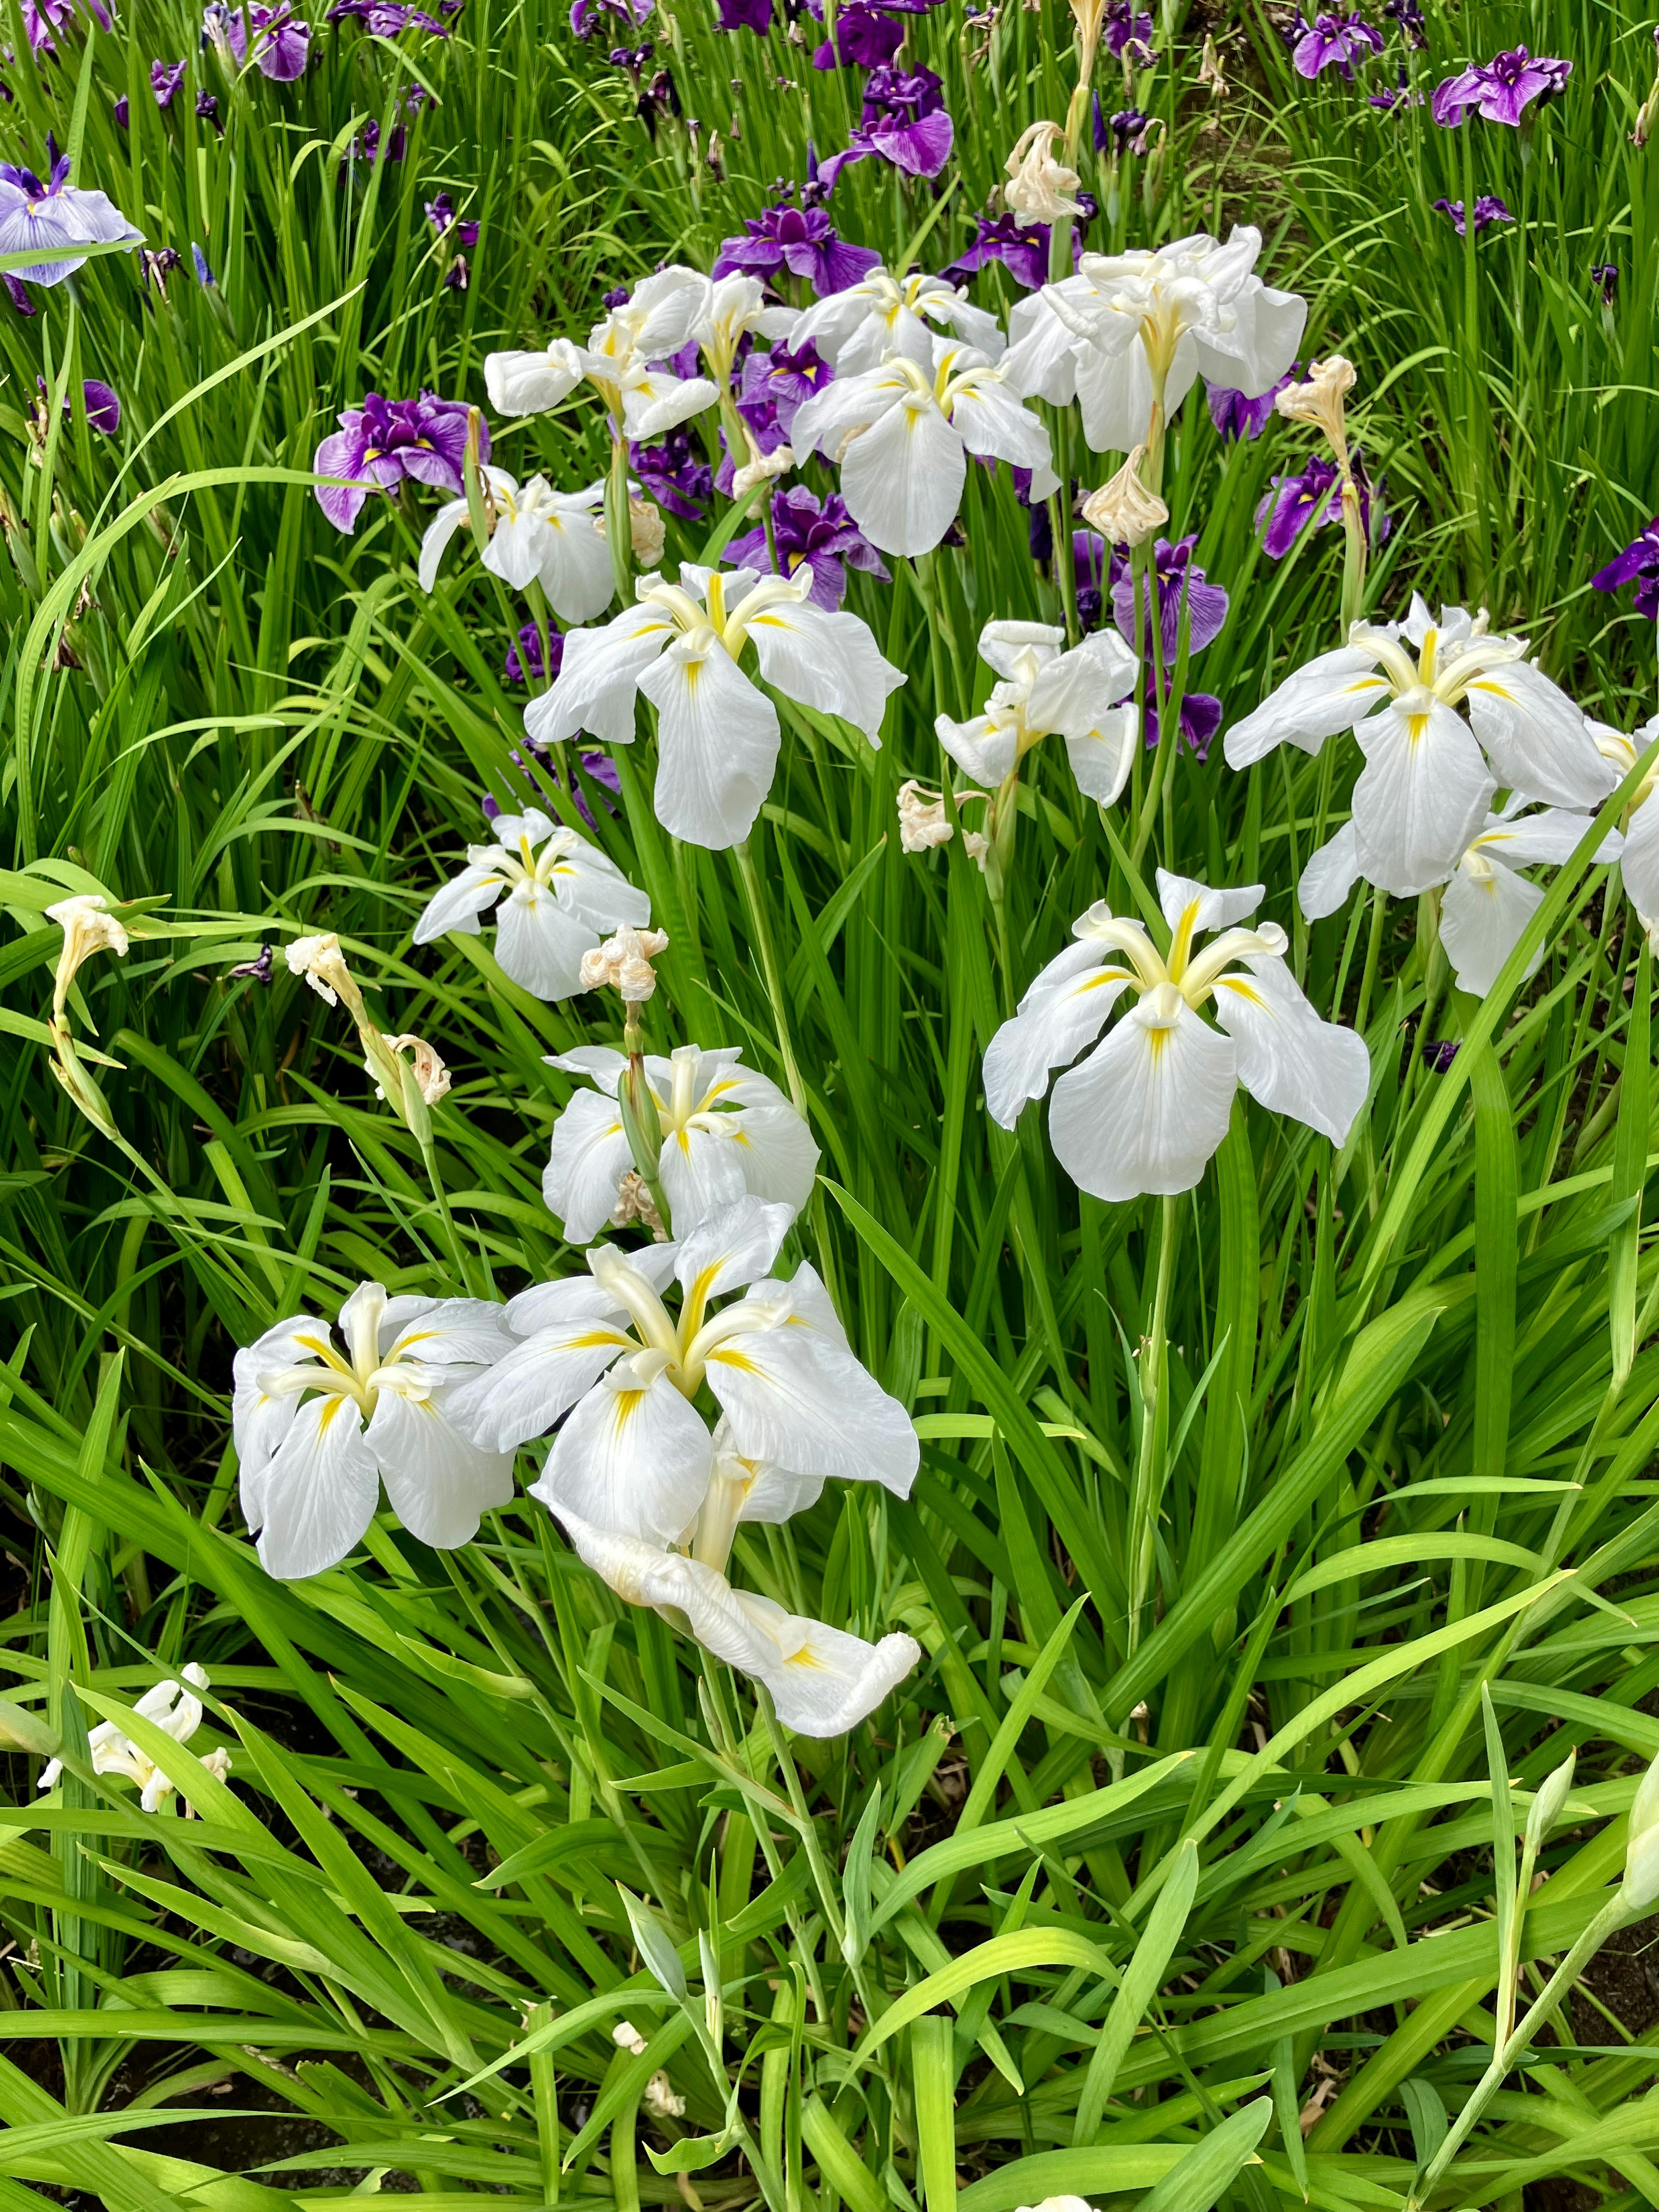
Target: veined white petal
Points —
{"points": [[1535, 738], [261, 1420], [1102, 756], [702, 1171], [539, 943], [1330, 875], [1420, 798], [444, 1332], [1148, 1107], [572, 1298], [1199, 908], [459, 904], [1063, 1011], [439, 1483], [516, 546], [588, 883], [1641, 856], [575, 566], [987, 748], [531, 383], [903, 477], [1042, 359], [779, 1156], [1314, 1071], [988, 418], [732, 1248], [830, 661], [658, 402], [1332, 692], [321, 1490], [1553, 833], [439, 532], [1482, 914], [633, 1457], [665, 308], [717, 743], [589, 1157], [539, 1379], [598, 677], [1115, 392], [823, 1680]]}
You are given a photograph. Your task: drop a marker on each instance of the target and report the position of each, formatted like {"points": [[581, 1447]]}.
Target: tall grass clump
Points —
{"points": [[830, 1356]]}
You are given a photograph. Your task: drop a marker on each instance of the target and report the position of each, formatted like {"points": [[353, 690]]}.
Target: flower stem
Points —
{"points": [[774, 980], [618, 529], [1154, 1430]]}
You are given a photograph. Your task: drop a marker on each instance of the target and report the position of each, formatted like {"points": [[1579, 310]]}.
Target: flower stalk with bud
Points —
{"points": [[1320, 401], [622, 964], [89, 927]]}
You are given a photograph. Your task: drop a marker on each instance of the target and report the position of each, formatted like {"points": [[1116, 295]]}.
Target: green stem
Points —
{"points": [[618, 528], [1149, 1470], [774, 980]]}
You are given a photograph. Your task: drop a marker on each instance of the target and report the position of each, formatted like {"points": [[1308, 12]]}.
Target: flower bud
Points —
{"points": [[1039, 187], [1547, 1804], [1124, 511], [1639, 1892]]}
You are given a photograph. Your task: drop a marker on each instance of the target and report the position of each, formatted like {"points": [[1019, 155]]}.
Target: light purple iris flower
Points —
{"points": [[385, 440], [905, 121], [1333, 42], [385, 19], [587, 17], [281, 43], [822, 537], [165, 79], [802, 240], [1313, 498], [1500, 89], [1180, 583], [1637, 564], [1023, 253], [1236, 416], [1488, 208], [776, 385], [42, 17], [54, 215]]}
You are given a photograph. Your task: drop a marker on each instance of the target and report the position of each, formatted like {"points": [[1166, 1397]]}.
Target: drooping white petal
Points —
{"points": [[657, 403], [434, 544], [986, 747], [598, 677], [1063, 1011], [539, 1379], [830, 661], [717, 743], [440, 1484], [1330, 875], [823, 422], [539, 943], [458, 905], [1042, 359], [1115, 392], [320, 1491], [665, 308], [988, 418], [1257, 349], [532, 383], [642, 1573], [588, 883], [1102, 756], [633, 1457], [1314, 1071], [589, 1157], [601, 1063], [1482, 914], [1332, 692], [732, 1248], [1075, 691], [1535, 738], [779, 1156], [575, 564], [1420, 798], [572, 1298], [1148, 1107], [903, 477], [260, 1419], [823, 1680]]}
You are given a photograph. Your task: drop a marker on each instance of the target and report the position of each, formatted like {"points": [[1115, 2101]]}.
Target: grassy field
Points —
{"points": [[1275, 1541]]}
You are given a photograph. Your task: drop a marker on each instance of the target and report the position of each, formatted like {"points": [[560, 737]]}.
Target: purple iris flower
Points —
{"points": [[524, 663], [122, 112], [42, 17], [867, 33], [385, 440], [207, 111], [1122, 30], [1023, 253], [1200, 717], [441, 214], [674, 474], [660, 96], [256, 971], [370, 146], [1604, 275], [1637, 564], [821, 537], [385, 19], [1236, 415], [1333, 42], [1409, 17], [745, 15], [103, 408], [1399, 95], [54, 215], [1123, 133], [587, 17], [1313, 498], [776, 385], [1180, 583], [1488, 208], [1499, 89], [165, 79], [801, 241], [281, 43], [204, 275], [905, 121]]}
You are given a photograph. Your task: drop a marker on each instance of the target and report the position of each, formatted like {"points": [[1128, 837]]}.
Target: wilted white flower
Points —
{"points": [[1130, 329], [431, 1076], [89, 927], [643, 402], [1125, 511], [1044, 690], [921, 818], [646, 534], [1040, 188], [867, 323], [635, 1203], [321, 961], [726, 1131], [760, 468], [904, 437], [626, 2036], [554, 897], [622, 964], [1425, 787], [540, 535], [173, 1708], [1147, 1107], [1320, 401], [661, 2099], [318, 1432], [717, 732]]}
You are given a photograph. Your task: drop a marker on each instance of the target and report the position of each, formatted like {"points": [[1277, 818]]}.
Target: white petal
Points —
{"points": [[459, 904], [717, 743], [830, 661], [320, 1491], [1641, 856], [824, 1681], [1076, 691], [515, 547], [539, 1379], [1292, 1062], [773, 1494], [987, 749], [702, 1171], [643, 1574], [1041, 360], [1553, 833], [575, 569], [633, 1457], [1062, 1012], [589, 1157], [539, 944], [446, 1332], [1188, 904], [548, 1305], [1481, 918], [1141, 1116], [598, 677], [439, 532], [602, 1062], [440, 1484], [1536, 739], [659, 402], [733, 1248], [779, 1156], [988, 419], [588, 883], [667, 308], [259, 1420], [1420, 798], [903, 477], [846, 404], [1330, 694], [531, 383], [1104, 755], [1330, 875], [1003, 644], [1115, 394]]}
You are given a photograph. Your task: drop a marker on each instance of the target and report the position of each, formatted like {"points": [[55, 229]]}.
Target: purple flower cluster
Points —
{"points": [[1023, 253], [1124, 32], [1125, 132], [281, 42], [1488, 209], [524, 663], [1313, 498], [868, 32], [385, 19], [385, 441], [820, 537], [674, 474], [1637, 564], [42, 17], [905, 121], [1332, 41], [1499, 90], [801, 241]]}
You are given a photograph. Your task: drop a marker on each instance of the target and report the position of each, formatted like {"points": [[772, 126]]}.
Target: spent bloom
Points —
{"points": [[54, 218], [385, 441], [717, 732], [621, 361], [1132, 330], [554, 896], [318, 1430], [727, 1133], [862, 325], [1488, 209], [1146, 1109], [1430, 774], [88, 927], [1637, 564], [622, 963], [542, 536], [1040, 188], [1500, 90], [785, 240], [819, 537], [1043, 690], [174, 1708], [903, 435]]}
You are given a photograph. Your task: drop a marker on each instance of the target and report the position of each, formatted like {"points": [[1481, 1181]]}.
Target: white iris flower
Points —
{"points": [[174, 1709], [620, 362], [555, 896], [541, 536], [318, 1430], [1132, 331], [903, 432], [1640, 854], [858, 329], [1430, 775], [726, 1132], [717, 731], [1147, 1107], [734, 307], [1042, 691]]}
